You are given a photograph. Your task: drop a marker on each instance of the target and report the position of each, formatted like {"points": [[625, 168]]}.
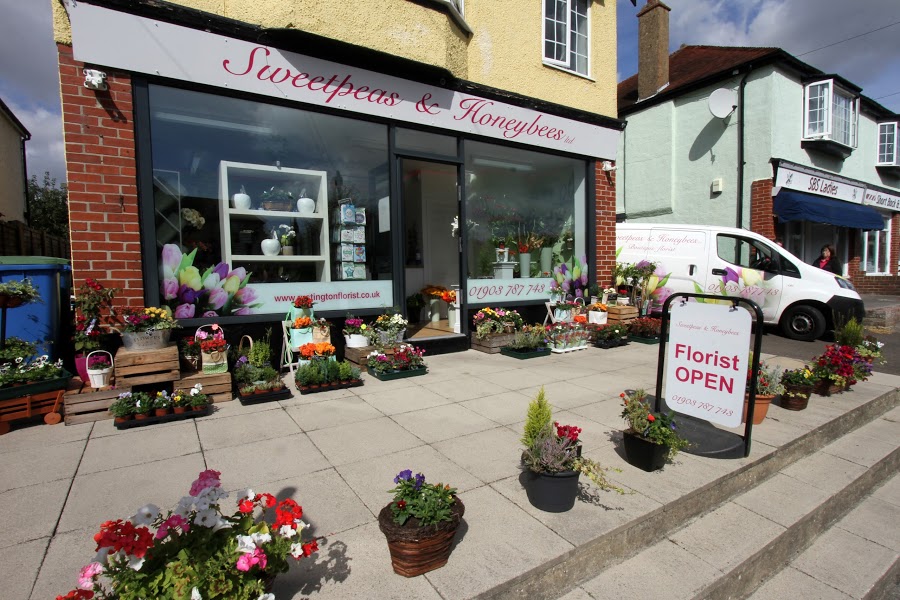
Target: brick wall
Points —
{"points": [[605, 224], [98, 130], [762, 220], [877, 284]]}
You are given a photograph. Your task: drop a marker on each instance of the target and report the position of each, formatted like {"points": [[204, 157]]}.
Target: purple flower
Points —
{"points": [[553, 284], [240, 273], [245, 295], [217, 298], [244, 311], [578, 293], [420, 479], [642, 264], [730, 275], [188, 295], [210, 313], [170, 288], [221, 270], [563, 268], [185, 311], [403, 475]]}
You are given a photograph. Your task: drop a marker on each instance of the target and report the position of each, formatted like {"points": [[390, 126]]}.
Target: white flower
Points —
{"points": [[287, 531], [297, 550], [266, 597], [248, 494], [184, 507], [202, 502], [145, 515], [135, 563], [206, 518], [221, 524], [195, 594], [300, 524], [246, 545]]}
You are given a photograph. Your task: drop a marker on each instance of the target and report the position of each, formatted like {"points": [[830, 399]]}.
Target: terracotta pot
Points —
{"points": [[414, 549], [124, 419], [644, 454], [161, 412], [795, 397], [179, 410], [201, 408], [760, 407], [142, 416]]}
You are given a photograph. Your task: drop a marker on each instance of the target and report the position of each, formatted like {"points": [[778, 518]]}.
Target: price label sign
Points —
{"points": [[706, 361]]}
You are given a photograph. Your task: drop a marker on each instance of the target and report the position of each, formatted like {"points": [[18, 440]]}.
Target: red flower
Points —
{"points": [[123, 535], [401, 504], [651, 418], [310, 547], [77, 595], [268, 499], [245, 506]]}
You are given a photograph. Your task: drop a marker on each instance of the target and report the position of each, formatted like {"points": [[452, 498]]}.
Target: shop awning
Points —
{"points": [[790, 205]]}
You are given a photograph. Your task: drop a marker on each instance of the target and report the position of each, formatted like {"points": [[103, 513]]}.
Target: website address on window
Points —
{"points": [[334, 296]]}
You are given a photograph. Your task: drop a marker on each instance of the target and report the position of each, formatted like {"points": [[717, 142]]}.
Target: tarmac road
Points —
{"points": [[775, 343]]}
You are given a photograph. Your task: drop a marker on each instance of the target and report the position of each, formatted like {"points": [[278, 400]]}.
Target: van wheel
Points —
{"points": [[803, 322]]}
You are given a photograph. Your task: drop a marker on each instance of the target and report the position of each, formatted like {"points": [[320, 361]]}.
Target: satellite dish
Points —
{"points": [[722, 102]]}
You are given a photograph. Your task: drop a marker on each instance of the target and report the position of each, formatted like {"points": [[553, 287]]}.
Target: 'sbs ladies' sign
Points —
{"points": [[706, 361], [107, 37]]}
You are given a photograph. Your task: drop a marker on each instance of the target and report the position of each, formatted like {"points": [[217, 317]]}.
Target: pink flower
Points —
{"points": [[248, 561], [217, 298], [86, 577], [173, 521], [170, 288], [185, 311], [210, 313], [240, 273], [245, 295], [244, 311], [171, 260], [206, 479]]}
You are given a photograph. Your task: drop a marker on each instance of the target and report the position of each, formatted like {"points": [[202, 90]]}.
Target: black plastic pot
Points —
{"points": [[552, 492], [644, 454]]}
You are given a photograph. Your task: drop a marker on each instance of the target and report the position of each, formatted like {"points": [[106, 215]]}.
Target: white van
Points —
{"points": [[804, 300]]}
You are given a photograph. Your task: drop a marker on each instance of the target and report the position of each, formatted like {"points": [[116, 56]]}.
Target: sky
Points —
{"points": [[29, 83]]}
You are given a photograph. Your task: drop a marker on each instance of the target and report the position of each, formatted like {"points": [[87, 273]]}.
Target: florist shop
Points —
{"points": [[370, 183]]}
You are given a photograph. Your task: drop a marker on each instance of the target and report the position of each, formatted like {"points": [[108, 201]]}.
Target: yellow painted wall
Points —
{"points": [[12, 172], [504, 52]]}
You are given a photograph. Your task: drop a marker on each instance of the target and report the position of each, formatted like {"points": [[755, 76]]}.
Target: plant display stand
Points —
{"points": [[524, 355], [268, 396], [85, 404], [359, 356], [621, 314], [215, 385], [137, 367], [29, 405], [492, 343], [390, 376], [191, 414], [327, 387]]}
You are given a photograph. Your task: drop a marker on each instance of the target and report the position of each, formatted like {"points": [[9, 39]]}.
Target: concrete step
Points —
{"points": [[855, 558], [727, 552], [724, 538]]}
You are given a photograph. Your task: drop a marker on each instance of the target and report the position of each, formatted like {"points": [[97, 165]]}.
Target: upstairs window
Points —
{"points": [[566, 35], [887, 145], [830, 113], [876, 250]]}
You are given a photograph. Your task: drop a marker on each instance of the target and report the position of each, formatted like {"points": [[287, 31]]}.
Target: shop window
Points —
{"points": [[887, 145], [830, 118], [567, 34], [519, 202], [876, 250], [276, 201]]}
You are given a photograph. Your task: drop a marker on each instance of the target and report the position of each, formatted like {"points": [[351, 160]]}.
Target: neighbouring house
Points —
{"points": [[366, 129], [755, 138], [13, 174]]}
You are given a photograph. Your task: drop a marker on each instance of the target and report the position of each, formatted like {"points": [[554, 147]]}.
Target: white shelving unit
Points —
{"points": [[257, 178]]}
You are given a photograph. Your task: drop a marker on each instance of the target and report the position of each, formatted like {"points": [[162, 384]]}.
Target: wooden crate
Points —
{"points": [[215, 385], [29, 405], [359, 356], [85, 404], [492, 343], [621, 314], [137, 367]]}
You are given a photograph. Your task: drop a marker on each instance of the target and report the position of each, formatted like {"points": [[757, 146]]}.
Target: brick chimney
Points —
{"points": [[653, 48]]}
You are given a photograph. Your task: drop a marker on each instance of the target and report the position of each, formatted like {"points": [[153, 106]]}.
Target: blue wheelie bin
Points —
{"points": [[38, 322]]}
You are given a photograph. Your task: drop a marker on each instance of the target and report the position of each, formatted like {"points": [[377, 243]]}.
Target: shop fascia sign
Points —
{"points": [[819, 184], [102, 36], [882, 200]]}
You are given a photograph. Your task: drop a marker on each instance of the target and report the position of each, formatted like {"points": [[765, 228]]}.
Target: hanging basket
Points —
{"points": [[99, 377], [417, 550], [216, 361]]}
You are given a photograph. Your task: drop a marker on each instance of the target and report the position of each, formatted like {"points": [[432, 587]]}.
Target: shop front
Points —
{"points": [[284, 175]]}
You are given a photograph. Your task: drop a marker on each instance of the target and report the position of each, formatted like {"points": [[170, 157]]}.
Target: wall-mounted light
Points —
{"points": [[95, 80], [608, 166]]}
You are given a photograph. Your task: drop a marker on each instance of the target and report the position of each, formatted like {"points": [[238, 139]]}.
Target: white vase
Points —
{"points": [[241, 201], [525, 265], [451, 317], [355, 340], [306, 206], [435, 308], [546, 260], [270, 247]]}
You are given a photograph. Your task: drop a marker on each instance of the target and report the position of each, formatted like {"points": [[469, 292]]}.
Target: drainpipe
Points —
{"points": [[25, 175], [740, 150]]}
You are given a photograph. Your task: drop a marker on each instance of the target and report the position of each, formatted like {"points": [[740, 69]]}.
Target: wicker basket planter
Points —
{"points": [[796, 397], [414, 549]]}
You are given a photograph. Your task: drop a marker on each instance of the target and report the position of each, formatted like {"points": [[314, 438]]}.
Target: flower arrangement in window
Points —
{"points": [[571, 282], [148, 319], [286, 235], [490, 320], [217, 291], [193, 218], [405, 358], [303, 302], [313, 351], [195, 550], [449, 297]]}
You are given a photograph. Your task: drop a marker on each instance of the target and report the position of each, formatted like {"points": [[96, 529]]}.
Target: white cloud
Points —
{"points": [[45, 150]]}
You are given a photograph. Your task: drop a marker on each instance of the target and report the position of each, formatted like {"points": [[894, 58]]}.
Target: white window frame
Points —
{"points": [[888, 221], [892, 158], [832, 90], [569, 63]]}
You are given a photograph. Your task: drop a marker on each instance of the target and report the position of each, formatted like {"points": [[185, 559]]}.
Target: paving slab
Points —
{"points": [[890, 491], [791, 583], [266, 460], [824, 471], [443, 422], [39, 436], [353, 442], [860, 447], [146, 444], [329, 413], [505, 408], [563, 395], [464, 388], [246, 428], [485, 454], [517, 379], [67, 553], [401, 400], [782, 499], [26, 467], [23, 508], [876, 521], [19, 569]]}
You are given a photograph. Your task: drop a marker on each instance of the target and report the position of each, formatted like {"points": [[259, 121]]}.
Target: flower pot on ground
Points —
{"points": [[839, 368], [768, 385], [123, 408], [760, 407], [552, 460], [420, 524], [651, 438], [530, 342], [323, 375], [798, 385], [213, 349], [196, 550]]}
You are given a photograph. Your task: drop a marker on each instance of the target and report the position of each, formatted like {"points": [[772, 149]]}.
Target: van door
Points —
{"points": [[745, 267], [682, 258]]}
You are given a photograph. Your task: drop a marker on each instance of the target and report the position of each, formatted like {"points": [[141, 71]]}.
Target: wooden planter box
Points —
{"points": [[138, 367], [358, 356], [30, 389], [327, 387], [524, 355], [492, 343], [621, 314], [215, 385], [270, 396], [85, 404], [191, 414], [398, 374], [29, 405]]}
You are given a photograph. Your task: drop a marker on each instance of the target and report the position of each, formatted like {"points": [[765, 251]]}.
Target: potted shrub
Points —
{"points": [[414, 306], [768, 385], [420, 524], [196, 550], [320, 376], [529, 342], [798, 385], [199, 400], [143, 405], [123, 408], [651, 438], [552, 460], [147, 328], [99, 368], [162, 404], [645, 330], [16, 293], [406, 361], [355, 332]]}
